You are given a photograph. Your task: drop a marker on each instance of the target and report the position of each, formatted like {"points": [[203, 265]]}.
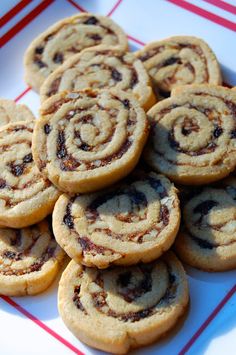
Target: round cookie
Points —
{"points": [[207, 239], [12, 112], [101, 68], [26, 197], [193, 134], [122, 308], [30, 259], [180, 60], [66, 38], [133, 221], [87, 140]]}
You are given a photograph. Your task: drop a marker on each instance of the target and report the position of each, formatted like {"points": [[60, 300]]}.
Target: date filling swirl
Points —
{"points": [[180, 61], [86, 131], [193, 133], [210, 217], [101, 69], [24, 251], [130, 286], [128, 223], [23, 189], [66, 38]]}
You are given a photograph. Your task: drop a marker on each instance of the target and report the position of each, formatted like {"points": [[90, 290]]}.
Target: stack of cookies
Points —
{"points": [[109, 168]]}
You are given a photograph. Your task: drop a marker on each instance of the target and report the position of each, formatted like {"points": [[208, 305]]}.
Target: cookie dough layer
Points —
{"points": [[193, 134], [208, 237], [122, 308], [128, 223], [66, 38], [180, 60], [87, 140], [26, 197], [29, 259]]}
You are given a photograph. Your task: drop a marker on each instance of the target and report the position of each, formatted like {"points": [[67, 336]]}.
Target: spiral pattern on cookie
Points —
{"points": [[131, 222], [26, 197], [207, 239], [29, 259], [180, 60], [101, 68], [66, 38], [86, 140], [193, 138], [138, 303], [12, 112]]}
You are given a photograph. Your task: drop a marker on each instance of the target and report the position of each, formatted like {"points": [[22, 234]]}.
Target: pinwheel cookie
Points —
{"points": [[26, 197], [180, 60], [11, 112], [121, 308], [66, 38], [87, 140], [101, 68], [29, 259], [134, 221], [193, 137], [208, 237]]}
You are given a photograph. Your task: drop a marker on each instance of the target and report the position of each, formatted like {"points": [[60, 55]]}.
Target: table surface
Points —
{"points": [[31, 325]]}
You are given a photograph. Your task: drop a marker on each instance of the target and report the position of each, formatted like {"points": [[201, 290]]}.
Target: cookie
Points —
{"points": [[66, 38], [30, 259], [193, 135], [102, 68], [207, 239], [136, 220], [26, 197], [122, 308], [11, 112], [180, 60], [87, 140]]}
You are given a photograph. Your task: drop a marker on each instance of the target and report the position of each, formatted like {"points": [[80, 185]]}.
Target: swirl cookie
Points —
{"points": [[86, 140], [208, 237], [121, 308], [66, 38], [29, 259], [101, 68], [11, 112], [128, 223], [193, 134], [25, 196], [180, 60]]}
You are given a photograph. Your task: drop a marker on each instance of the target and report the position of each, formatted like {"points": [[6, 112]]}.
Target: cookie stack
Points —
{"points": [[114, 167], [29, 255]]}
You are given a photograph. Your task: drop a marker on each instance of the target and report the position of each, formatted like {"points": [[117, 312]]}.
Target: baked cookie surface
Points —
{"points": [[87, 140], [180, 60], [12, 112], [30, 259], [133, 221], [193, 134], [66, 38], [121, 308], [101, 68], [26, 197], [207, 239]]}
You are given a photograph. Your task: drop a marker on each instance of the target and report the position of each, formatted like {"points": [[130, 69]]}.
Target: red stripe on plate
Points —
{"points": [[13, 12], [41, 324], [136, 40], [114, 8], [22, 94], [25, 21], [78, 7], [208, 320], [223, 5], [206, 14]]}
